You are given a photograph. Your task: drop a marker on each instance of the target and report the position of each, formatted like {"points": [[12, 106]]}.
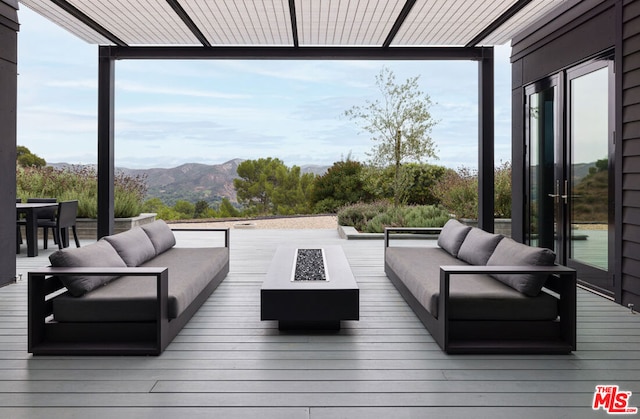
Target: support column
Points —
{"points": [[486, 188], [106, 155], [8, 92]]}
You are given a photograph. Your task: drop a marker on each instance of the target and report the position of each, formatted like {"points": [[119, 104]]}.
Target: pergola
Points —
{"points": [[294, 29]]}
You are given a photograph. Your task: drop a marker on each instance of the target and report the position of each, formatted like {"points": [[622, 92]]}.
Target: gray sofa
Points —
{"points": [[127, 294], [478, 292]]}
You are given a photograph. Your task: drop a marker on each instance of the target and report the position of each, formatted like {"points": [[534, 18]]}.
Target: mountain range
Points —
{"points": [[194, 181]]}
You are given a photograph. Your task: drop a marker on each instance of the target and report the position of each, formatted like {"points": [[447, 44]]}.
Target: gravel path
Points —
{"points": [[291, 223]]}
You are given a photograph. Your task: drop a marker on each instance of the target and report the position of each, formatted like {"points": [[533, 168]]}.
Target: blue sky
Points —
{"points": [[174, 112]]}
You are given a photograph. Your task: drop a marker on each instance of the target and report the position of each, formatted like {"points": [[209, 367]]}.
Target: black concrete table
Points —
{"points": [[309, 304], [31, 211]]}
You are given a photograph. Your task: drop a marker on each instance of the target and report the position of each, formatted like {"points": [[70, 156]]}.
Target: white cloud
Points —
{"points": [[172, 112], [135, 87]]}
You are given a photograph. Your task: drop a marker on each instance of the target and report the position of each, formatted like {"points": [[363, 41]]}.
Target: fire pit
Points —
{"points": [[309, 289], [310, 265]]}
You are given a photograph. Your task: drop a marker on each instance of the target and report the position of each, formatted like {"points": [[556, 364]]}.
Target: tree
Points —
{"points": [[416, 181], [227, 210], [255, 186], [25, 158], [292, 192], [185, 208], [400, 123], [421, 180], [342, 185], [267, 186], [201, 209]]}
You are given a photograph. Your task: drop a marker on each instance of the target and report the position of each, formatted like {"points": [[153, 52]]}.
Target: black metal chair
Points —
{"points": [[19, 222], [46, 216], [65, 218]]}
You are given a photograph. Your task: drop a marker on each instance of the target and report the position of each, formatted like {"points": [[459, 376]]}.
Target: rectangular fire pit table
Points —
{"points": [[318, 300]]}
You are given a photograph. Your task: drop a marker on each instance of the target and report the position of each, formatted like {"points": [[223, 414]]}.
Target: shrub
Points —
{"points": [[341, 185], [358, 215], [185, 209], [80, 183], [458, 192], [503, 190], [417, 183], [421, 180], [373, 218], [227, 210]]}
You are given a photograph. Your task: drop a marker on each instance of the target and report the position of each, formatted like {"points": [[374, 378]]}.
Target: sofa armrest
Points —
{"points": [[565, 287], [495, 269], [389, 231], [222, 230], [42, 283]]}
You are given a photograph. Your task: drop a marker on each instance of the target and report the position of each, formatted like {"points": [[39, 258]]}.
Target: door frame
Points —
{"points": [[587, 271], [562, 168], [537, 87]]}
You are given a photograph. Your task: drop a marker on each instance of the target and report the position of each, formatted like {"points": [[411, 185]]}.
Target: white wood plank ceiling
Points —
{"points": [[293, 22]]}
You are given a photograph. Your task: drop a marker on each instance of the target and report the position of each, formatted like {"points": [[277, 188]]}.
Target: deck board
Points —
{"points": [[228, 363]]}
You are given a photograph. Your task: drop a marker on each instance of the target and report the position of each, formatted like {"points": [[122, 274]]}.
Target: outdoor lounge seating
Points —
{"points": [[127, 294], [483, 293]]}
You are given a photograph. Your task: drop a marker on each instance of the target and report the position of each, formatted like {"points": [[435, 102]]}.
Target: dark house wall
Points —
{"points": [[630, 115], [578, 32], [8, 89]]}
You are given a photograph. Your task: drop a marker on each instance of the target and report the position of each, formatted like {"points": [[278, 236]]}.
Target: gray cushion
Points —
{"points": [[511, 253], [472, 297], [452, 236], [100, 254], [133, 298], [161, 235], [478, 246], [133, 246]]}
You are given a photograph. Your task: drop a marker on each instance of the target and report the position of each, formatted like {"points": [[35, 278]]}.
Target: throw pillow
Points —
{"points": [[452, 236], [511, 253], [133, 246], [161, 235], [100, 254], [478, 246]]}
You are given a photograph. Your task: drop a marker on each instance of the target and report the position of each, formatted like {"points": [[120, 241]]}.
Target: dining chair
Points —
{"points": [[65, 219], [18, 229], [46, 216]]}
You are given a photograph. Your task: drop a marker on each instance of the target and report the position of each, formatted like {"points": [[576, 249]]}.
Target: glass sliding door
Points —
{"points": [[589, 192], [570, 148]]}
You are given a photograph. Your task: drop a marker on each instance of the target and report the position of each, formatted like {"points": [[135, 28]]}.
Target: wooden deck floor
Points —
{"points": [[227, 363]]}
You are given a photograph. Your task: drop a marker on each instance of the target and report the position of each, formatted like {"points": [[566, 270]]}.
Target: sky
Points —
{"points": [[172, 112]]}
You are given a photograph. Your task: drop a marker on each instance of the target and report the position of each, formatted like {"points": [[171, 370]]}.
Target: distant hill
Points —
{"points": [[194, 182]]}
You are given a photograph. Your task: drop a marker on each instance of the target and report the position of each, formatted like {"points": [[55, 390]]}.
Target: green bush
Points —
{"points": [[458, 192], [373, 218], [227, 210], [80, 183], [341, 185], [358, 215], [503, 190]]}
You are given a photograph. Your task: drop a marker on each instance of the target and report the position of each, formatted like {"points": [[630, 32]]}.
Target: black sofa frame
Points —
{"points": [[47, 337], [495, 337]]}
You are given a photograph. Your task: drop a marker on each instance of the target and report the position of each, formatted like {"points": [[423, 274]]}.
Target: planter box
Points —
{"points": [[87, 227]]}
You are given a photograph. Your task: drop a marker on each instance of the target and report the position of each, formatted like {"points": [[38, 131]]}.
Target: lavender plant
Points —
{"points": [[80, 183]]}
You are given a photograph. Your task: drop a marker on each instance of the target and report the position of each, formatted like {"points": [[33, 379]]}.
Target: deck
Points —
{"points": [[227, 363]]}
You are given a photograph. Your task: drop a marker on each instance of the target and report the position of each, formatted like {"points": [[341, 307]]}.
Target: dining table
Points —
{"points": [[31, 209]]}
